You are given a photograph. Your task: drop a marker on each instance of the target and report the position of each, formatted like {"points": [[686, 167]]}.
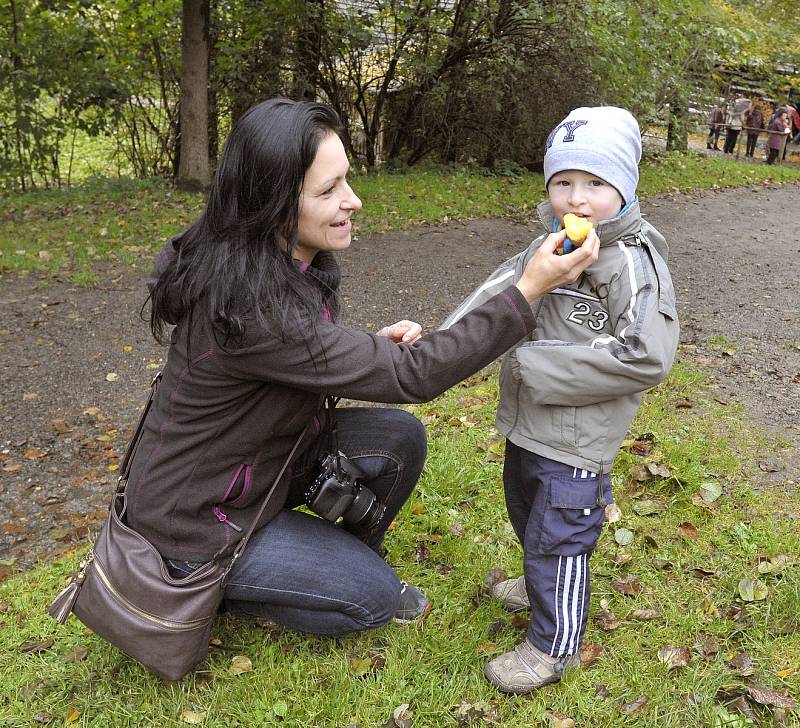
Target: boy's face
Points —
{"points": [[583, 194]]}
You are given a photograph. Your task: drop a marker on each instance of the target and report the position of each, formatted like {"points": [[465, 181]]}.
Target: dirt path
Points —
{"points": [[75, 363]]}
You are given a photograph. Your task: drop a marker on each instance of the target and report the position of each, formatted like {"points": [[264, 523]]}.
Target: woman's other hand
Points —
{"points": [[402, 332], [546, 270]]}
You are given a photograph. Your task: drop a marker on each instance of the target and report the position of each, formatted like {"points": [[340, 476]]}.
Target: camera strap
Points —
{"points": [[333, 439]]}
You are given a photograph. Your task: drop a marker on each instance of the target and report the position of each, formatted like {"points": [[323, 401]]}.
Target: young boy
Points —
{"points": [[568, 393]]}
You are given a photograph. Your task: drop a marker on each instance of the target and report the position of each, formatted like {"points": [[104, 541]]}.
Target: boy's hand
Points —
{"points": [[546, 270]]}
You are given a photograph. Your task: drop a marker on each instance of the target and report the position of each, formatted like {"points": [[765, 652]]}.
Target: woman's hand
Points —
{"points": [[402, 332], [546, 270]]}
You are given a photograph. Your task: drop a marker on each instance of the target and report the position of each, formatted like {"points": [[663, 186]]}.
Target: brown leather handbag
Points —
{"points": [[124, 593]]}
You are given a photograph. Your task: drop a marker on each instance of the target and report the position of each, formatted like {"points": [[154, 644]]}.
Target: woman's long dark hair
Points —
{"points": [[234, 263]]}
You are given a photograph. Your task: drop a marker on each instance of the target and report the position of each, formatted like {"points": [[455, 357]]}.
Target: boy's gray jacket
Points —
{"points": [[570, 390]]}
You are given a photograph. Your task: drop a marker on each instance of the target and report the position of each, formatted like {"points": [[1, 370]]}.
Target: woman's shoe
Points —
{"points": [[413, 606]]}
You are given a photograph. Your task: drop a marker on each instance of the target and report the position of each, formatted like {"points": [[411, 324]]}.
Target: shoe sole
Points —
{"points": [[419, 618]]}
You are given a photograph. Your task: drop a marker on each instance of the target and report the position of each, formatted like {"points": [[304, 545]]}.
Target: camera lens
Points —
{"points": [[364, 512]]}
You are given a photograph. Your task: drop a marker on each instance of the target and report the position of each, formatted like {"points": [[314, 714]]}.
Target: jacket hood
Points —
{"points": [[628, 224]]}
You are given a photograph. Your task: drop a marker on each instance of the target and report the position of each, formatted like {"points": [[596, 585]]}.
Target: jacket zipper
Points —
{"points": [[168, 623], [223, 518]]}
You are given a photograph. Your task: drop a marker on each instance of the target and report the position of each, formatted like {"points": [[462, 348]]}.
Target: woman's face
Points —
{"points": [[326, 202]]}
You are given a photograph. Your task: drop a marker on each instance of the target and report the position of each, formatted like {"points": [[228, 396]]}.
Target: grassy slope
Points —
{"points": [[446, 540]]}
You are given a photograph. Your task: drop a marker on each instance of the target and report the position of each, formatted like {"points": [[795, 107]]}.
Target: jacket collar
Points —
{"points": [[609, 231]]}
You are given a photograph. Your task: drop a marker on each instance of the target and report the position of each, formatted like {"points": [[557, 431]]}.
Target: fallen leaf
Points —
{"points": [[606, 620], [487, 648], [640, 473], [766, 696], [707, 647], [590, 653], [772, 564], [635, 706], [193, 717], [710, 490], [647, 507], [752, 590], [34, 454], [659, 470], [742, 664], [687, 530], [768, 467], [457, 530], [428, 537], [240, 665], [661, 564], [495, 576], [112, 377], [360, 665], [628, 585], [43, 717], [35, 647], [621, 559], [707, 609], [683, 404], [613, 513], [76, 654], [674, 657], [623, 536], [402, 716], [561, 721], [421, 553], [601, 691], [73, 715], [92, 411], [645, 615], [783, 674], [469, 714]]}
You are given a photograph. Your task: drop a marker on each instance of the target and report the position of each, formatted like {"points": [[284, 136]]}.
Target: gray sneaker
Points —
{"points": [[413, 606], [527, 668], [512, 595]]}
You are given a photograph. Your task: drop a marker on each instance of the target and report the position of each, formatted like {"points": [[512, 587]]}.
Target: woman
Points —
{"points": [[252, 288], [778, 130]]}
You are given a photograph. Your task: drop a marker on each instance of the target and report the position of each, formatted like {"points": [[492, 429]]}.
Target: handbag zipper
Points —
{"points": [[169, 624]]}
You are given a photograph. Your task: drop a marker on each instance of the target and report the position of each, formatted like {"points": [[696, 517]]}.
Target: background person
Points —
{"points": [[754, 123], [778, 130], [715, 123], [734, 120], [252, 288], [569, 391]]}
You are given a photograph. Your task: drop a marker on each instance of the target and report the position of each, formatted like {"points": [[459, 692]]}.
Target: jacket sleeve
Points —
{"points": [[505, 275], [345, 362], [637, 355]]}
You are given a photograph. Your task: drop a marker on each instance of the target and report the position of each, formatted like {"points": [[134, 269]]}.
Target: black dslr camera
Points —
{"points": [[336, 493]]}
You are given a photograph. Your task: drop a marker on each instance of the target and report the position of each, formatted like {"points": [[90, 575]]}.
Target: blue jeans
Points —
{"points": [[308, 574]]}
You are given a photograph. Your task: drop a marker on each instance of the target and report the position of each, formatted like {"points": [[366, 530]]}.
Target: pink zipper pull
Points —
{"points": [[223, 518]]}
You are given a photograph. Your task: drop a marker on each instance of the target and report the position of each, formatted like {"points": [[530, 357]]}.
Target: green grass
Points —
{"points": [[76, 233], [448, 537]]}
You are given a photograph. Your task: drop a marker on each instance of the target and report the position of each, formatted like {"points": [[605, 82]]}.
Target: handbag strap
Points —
{"points": [[240, 547], [137, 435]]}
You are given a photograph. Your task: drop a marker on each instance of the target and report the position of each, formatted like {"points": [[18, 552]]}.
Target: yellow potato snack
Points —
{"points": [[577, 227]]}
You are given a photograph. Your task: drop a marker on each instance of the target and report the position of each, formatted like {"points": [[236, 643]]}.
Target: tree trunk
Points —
{"points": [[678, 126], [194, 169], [308, 48]]}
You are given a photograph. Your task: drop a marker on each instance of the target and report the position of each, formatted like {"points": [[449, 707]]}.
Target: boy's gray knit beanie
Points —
{"points": [[602, 140]]}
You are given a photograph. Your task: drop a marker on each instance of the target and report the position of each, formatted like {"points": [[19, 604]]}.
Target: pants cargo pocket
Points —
{"points": [[574, 514]]}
